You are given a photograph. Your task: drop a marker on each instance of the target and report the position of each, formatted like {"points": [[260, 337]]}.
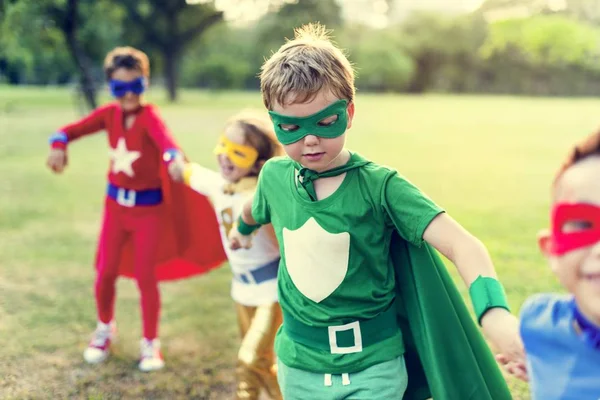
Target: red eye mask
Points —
{"points": [[585, 221]]}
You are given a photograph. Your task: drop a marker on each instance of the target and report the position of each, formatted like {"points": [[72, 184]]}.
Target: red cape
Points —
{"points": [[191, 241]]}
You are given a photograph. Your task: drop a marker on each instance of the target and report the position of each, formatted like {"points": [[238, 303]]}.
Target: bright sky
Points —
{"points": [[367, 11]]}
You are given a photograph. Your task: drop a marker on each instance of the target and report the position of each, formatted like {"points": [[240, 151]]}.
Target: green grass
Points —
{"points": [[488, 160]]}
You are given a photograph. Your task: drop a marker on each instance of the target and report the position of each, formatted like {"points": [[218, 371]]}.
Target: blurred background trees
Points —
{"points": [[525, 47]]}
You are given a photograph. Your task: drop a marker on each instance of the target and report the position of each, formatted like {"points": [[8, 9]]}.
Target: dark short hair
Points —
{"points": [[128, 58], [588, 147]]}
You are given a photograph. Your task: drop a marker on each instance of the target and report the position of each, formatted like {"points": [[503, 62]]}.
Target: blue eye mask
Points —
{"points": [[291, 129], [120, 88]]}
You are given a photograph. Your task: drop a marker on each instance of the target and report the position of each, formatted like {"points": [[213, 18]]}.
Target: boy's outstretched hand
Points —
{"points": [[57, 160], [176, 168], [239, 241], [502, 329]]}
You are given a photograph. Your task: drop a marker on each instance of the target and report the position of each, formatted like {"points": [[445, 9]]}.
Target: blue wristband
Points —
{"points": [[170, 154], [58, 137]]}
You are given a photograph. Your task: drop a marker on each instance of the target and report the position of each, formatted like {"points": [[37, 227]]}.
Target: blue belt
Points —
{"points": [[132, 198], [260, 274]]}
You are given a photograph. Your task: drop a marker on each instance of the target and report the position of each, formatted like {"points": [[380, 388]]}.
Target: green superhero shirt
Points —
{"points": [[336, 263]]}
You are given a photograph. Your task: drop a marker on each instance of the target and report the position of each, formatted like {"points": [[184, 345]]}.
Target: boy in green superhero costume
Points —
{"points": [[369, 310]]}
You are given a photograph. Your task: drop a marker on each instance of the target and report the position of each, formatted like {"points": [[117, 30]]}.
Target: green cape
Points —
{"points": [[446, 355]]}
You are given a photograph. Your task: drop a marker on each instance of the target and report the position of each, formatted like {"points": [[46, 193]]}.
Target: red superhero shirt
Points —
{"points": [[136, 153], [191, 242]]}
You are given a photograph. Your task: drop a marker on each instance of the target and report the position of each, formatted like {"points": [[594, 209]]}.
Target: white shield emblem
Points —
{"points": [[316, 260]]}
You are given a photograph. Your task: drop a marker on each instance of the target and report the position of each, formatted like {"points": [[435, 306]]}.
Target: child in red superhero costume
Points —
{"points": [[139, 142]]}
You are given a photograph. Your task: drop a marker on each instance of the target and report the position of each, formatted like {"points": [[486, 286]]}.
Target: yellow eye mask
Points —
{"points": [[241, 156]]}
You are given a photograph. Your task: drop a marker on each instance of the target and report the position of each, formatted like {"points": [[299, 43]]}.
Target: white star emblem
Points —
{"points": [[122, 159]]}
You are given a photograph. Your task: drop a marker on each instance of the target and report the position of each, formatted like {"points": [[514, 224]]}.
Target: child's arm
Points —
{"points": [[271, 234], [247, 213], [241, 235], [94, 122], [163, 139], [200, 179], [256, 212], [464, 250], [417, 218], [473, 261]]}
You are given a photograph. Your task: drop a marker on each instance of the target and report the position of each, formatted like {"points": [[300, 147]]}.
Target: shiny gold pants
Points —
{"points": [[256, 368]]}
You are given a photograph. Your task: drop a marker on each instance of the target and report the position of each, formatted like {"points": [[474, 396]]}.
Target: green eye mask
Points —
{"points": [[291, 129]]}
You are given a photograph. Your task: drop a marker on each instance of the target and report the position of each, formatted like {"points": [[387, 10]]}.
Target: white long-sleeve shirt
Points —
{"points": [[264, 250]]}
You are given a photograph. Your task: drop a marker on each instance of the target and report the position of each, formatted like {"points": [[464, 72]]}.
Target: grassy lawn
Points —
{"points": [[488, 160]]}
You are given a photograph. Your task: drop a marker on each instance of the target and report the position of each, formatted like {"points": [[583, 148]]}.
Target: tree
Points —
{"points": [[544, 41], [276, 26], [169, 26], [544, 55], [221, 59], [67, 18], [40, 36], [441, 44], [380, 62]]}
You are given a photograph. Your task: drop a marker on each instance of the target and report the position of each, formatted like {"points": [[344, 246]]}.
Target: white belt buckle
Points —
{"points": [[335, 349], [126, 197]]}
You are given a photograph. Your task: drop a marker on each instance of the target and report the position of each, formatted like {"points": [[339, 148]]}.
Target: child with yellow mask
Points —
{"points": [[248, 141]]}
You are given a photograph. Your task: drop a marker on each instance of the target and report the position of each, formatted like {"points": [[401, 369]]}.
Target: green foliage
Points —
{"points": [[99, 35], [33, 44], [219, 72], [160, 24], [168, 27], [381, 63], [549, 53], [228, 57], [444, 49], [273, 29], [545, 41], [224, 58]]}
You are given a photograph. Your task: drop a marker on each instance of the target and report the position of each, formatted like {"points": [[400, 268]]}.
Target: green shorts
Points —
{"points": [[384, 381]]}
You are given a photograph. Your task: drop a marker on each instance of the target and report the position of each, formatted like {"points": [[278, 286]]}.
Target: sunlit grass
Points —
{"points": [[487, 160]]}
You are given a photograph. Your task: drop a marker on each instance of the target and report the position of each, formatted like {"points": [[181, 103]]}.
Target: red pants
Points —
{"points": [[141, 224]]}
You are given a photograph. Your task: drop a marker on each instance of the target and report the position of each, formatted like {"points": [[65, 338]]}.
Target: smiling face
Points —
{"points": [[230, 171], [578, 268], [312, 151]]}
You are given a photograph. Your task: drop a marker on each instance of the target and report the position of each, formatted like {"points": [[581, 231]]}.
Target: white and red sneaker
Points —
{"points": [[151, 358], [98, 349]]}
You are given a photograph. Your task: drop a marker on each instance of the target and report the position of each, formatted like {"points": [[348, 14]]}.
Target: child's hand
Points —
{"points": [[176, 168], [239, 241], [57, 160], [502, 329], [516, 369]]}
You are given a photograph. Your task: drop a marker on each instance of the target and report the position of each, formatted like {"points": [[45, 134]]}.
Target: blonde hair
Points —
{"points": [[304, 66], [126, 57], [258, 133]]}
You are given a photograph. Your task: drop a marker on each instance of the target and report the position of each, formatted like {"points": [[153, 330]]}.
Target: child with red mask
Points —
{"points": [[561, 333]]}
